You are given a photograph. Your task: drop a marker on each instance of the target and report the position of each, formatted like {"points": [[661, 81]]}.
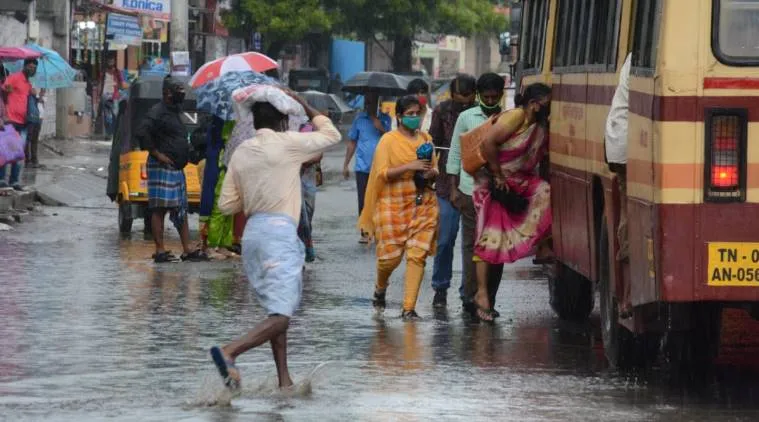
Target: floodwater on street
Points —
{"points": [[91, 329]]}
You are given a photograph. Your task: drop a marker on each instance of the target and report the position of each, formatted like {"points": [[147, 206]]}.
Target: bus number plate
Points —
{"points": [[733, 264]]}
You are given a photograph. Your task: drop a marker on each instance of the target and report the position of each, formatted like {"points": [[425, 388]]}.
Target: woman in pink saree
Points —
{"points": [[512, 201]]}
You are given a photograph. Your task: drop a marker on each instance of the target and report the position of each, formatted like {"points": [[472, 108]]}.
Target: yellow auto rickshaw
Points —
{"points": [[127, 173]]}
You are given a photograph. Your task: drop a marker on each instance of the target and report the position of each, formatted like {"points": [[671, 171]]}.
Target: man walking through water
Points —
{"points": [[164, 136], [263, 180]]}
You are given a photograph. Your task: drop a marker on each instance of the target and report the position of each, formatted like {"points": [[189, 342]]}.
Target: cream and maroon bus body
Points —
{"points": [[693, 159]]}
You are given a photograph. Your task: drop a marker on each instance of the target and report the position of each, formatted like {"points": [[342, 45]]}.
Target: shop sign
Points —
{"points": [[123, 29], [159, 9]]}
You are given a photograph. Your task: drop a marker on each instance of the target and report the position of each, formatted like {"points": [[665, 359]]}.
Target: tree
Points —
{"points": [[284, 21], [279, 22], [400, 20]]}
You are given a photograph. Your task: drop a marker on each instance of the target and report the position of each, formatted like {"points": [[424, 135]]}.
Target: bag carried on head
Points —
{"points": [[471, 146]]}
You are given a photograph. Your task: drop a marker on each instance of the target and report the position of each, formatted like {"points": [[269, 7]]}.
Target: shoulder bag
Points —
{"points": [[472, 159]]}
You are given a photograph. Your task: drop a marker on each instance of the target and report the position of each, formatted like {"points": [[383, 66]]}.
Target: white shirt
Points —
{"points": [[41, 105], [264, 173], [616, 122]]}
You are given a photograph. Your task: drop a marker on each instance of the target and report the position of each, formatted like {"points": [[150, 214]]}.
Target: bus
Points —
{"points": [[692, 169]]}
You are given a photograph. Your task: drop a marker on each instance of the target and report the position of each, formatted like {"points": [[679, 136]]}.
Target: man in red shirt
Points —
{"points": [[17, 89]]}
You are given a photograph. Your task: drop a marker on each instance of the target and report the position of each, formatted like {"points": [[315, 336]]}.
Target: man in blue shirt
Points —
{"points": [[364, 135]]}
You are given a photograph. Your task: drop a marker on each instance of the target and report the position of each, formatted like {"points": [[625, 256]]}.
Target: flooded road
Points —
{"points": [[91, 329]]}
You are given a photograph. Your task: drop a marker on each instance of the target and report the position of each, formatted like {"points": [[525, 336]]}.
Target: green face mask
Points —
{"points": [[488, 110], [411, 122]]}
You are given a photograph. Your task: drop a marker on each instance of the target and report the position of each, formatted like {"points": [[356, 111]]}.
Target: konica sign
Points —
{"points": [[159, 9]]}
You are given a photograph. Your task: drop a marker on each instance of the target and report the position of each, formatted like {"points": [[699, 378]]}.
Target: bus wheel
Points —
{"points": [[125, 217], [571, 294]]}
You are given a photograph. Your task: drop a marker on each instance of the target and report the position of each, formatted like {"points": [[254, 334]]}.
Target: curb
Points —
{"points": [[47, 200]]}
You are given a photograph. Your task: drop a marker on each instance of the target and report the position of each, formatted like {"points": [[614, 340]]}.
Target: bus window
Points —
{"points": [[533, 38], [646, 33], [586, 33], [737, 31], [604, 34]]}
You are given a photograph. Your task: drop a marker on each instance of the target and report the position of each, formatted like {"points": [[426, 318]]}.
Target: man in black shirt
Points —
{"points": [[164, 136]]}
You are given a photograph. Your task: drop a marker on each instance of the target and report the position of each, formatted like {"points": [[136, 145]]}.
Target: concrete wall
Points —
{"points": [[376, 59], [12, 32], [482, 55]]}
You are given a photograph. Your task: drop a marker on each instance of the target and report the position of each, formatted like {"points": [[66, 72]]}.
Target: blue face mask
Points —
{"points": [[411, 122]]}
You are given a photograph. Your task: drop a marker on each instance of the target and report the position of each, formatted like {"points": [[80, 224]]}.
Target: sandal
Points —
{"points": [[410, 315], [163, 257], [224, 366], [195, 256], [235, 249], [485, 314], [379, 301]]}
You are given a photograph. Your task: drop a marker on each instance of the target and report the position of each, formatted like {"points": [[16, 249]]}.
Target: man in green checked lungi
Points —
{"points": [[164, 136]]}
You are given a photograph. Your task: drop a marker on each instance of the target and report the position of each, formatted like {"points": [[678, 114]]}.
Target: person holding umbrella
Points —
{"points": [[363, 137], [17, 89]]}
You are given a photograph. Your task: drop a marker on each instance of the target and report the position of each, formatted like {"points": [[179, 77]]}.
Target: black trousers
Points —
{"points": [[362, 179], [495, 272]]}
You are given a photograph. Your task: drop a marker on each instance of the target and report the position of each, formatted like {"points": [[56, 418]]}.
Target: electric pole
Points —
{"points": [[179, 14]]}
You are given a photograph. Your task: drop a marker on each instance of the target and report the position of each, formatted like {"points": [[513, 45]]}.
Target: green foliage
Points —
{"points": [[406, 17], [284, 21], [280, 20]]}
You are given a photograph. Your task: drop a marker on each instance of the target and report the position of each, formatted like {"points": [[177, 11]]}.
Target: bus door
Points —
{"points": [[568, 143], [642, 169]]}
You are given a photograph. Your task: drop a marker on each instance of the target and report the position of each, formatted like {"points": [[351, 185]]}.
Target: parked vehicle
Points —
{"points": [[308, 80], [693, 151], [127, 174]]}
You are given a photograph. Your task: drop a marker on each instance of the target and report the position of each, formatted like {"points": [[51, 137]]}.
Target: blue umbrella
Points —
{"points": [[215, 97], [52, 70]]}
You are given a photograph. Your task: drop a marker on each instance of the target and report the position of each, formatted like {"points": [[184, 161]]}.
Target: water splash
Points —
{"points": [[212, 393]]}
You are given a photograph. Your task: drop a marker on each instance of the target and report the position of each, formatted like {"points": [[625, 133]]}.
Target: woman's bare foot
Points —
{"points": [[482, 303]]}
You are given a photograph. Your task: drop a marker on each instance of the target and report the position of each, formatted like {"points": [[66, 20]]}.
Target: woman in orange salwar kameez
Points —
{"points": [[398, 214]]}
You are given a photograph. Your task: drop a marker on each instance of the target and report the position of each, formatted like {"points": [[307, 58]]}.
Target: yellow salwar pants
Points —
{"points": [[415, 262]]}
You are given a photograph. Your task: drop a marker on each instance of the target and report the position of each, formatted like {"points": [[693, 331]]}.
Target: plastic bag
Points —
{"points": [[32, 111], [11, 146], [243, 100]]}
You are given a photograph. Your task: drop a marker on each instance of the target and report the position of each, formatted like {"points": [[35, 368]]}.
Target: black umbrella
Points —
{"points": [[381, 83], [324, 102]]}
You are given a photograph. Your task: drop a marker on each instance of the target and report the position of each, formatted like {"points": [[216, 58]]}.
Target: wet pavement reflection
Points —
{"points": [[93, 330]]}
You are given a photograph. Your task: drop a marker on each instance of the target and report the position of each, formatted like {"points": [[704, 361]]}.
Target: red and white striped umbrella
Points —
{"points": [[256, 62]]}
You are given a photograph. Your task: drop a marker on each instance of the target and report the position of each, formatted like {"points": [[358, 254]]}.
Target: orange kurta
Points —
{"points": [[391, 215]]}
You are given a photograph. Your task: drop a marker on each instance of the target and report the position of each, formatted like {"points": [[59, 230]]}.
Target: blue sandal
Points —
{"points": [[224, 366]]}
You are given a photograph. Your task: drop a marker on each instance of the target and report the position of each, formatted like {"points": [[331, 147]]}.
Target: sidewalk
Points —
{"points": [[73, 173]]}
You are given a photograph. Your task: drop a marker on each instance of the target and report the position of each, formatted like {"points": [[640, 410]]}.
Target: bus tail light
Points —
{"points": [[725, 159]]}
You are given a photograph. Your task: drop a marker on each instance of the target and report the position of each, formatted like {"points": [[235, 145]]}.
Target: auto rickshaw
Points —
{"points": [[309, 79], [127, 172]]}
